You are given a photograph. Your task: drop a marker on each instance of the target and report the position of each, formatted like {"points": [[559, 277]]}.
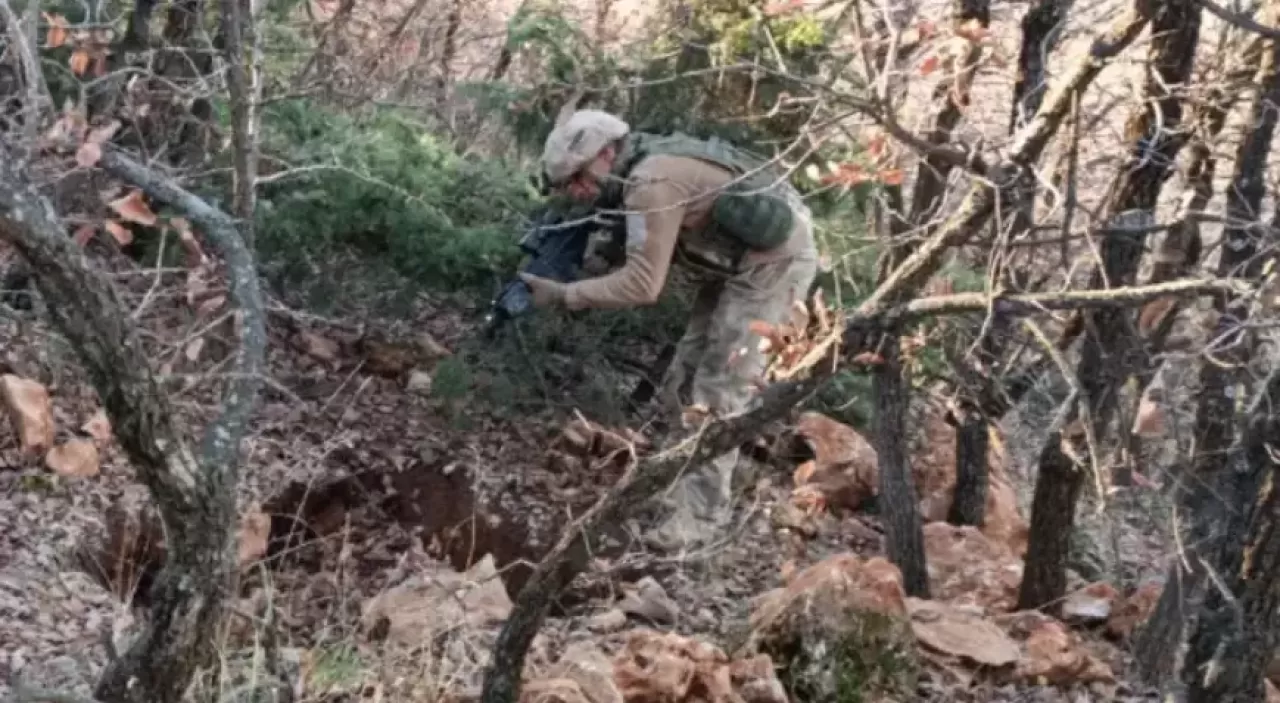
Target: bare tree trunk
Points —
{"points": [[904, 534], [1109, 338], [1200, 492], [1041, 29], [1239, 622], [1044, 579], [194, 492]]}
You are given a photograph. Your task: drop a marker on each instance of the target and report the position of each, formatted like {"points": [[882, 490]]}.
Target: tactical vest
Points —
{"points": [[753, 211]]}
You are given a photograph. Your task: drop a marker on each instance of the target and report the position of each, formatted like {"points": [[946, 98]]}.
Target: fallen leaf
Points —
{"points": [[79, 61], [88, 155], [30, 410], [100, 135], [57, 34], [1149, 421], [98, 426], [930, 64], [133, 208], [194, 347], [210, 305], [875, 147], [76, 457], [83, 234], [255, 528], [804, 472], [868, 358], [123, 235], [892, 177]]}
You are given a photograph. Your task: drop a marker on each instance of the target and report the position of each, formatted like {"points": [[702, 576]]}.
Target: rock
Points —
{"points": [[648, 599], [251, 538], [669, 668], [583, 674], [843, 618], [429, 603], [967, 568], [75, 458], [933, 467], [1054, 656], [844, 469], [1090, 605], [959, 633], [608, 621], [31, 412]]}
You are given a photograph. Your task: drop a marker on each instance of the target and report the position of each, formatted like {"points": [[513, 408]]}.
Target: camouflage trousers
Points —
{"points": [[719, 362]]}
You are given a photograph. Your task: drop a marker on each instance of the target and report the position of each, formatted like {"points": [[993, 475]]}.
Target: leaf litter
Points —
{"points": [[381, 523]]}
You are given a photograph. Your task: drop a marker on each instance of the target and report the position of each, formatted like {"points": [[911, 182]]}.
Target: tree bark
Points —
{"points": [[904, 534], [1221, 379], [1044, 580], [1239, 622], [1109, 338], [195, 493], [1041, 29]]}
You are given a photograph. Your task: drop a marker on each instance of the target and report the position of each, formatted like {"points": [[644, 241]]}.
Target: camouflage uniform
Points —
{"points": [[757, 253]]}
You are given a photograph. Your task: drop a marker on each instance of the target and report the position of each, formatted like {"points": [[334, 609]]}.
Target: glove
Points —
{"points": [[546, 292]]}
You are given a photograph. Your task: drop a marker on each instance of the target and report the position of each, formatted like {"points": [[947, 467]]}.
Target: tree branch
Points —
{"points": [[195, 495]]}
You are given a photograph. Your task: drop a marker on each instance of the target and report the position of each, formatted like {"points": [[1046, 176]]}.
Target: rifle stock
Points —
{"points": [[556, 247]]}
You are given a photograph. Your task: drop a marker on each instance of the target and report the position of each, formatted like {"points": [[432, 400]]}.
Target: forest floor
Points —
{"points": [[363, 491]]}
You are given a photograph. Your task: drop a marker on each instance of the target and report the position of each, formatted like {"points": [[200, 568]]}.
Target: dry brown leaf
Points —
{"points": [[76, 457], [88, 155], [930, 64], [101, 135], [868, 358], [123, 235], [30, 411], [79, 61], [98, 426], [1149, 420], [892, 176], [210, 305], [83, 234], [804, 472], [133, 208], [57, 33], [255, 528]]}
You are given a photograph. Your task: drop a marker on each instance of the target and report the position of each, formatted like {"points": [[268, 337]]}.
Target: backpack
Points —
{"points": [[754, 210]]}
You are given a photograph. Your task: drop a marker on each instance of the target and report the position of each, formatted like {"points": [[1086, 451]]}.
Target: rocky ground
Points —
{"points": [[386, 530]]}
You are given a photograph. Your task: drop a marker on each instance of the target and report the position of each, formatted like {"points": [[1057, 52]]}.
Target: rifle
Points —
{"points": [[556, 246]]}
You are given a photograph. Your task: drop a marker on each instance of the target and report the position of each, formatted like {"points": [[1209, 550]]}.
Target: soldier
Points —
{"points": [[708, 206]]}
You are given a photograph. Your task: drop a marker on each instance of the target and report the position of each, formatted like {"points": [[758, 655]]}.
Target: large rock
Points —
{"points": [[967, 568], [429, 604], [838, 627], [668, 668], [844, 474], [844, 467]]}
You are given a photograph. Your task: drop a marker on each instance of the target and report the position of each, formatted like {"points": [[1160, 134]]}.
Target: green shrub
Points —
{"points": [[385, 188]]}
